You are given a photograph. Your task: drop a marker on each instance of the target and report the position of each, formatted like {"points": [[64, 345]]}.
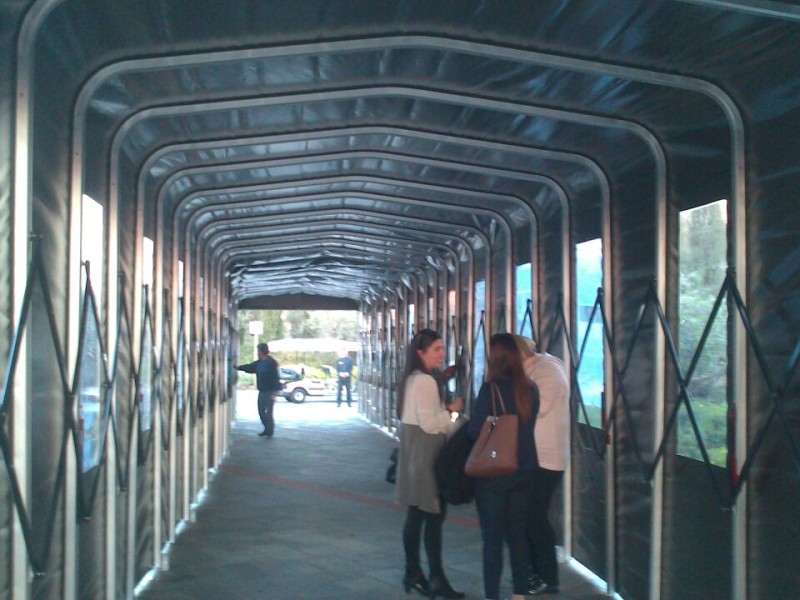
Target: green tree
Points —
{"points": [[703, 245], [273, 330]]}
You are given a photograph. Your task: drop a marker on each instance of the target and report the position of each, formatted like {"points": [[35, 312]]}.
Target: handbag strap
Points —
{"points": [[496, 389]]}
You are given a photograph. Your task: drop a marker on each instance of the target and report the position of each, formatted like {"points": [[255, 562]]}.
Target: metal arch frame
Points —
{"points": [[560, 193], [220, 256], [660, 268], [327, 242], [230, 250], [462, 100], [407, 158], [762, 8], [660, 200], [307, 159], [607, 245], [389, 199], [328, 195], [400, 217], [262, 250], [30, 28], [378, 216], [286, 224], [539, 153], [738, 229], [544, 154], [349, 155]]}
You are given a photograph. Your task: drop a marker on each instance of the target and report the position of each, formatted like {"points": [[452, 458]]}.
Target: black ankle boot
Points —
{"points": [[440, 587], [416, 581]]}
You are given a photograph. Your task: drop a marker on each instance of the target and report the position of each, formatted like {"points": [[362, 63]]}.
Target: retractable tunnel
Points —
{"points": [[615, 179]]}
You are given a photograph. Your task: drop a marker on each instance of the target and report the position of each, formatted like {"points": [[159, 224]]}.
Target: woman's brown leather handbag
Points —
{"points": [[495, 451]]}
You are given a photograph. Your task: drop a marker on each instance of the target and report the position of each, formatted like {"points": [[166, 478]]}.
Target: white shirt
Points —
{"points": [[422, 405], [552, 423]]}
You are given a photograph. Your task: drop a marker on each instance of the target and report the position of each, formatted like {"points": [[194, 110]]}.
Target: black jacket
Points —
{"points": [[455, 486]]}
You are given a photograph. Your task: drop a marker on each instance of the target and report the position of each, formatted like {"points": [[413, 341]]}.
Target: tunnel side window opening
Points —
{"points": [[91, 374], [180, 373], [524, 292], [703, 261], [452, 336], [589, 330], [146, 367], [411, 320], [479, 350], [148, 248], [146, 373]]}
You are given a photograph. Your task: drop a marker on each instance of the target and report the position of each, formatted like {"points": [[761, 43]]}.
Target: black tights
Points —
{"points": [[412, 532]]}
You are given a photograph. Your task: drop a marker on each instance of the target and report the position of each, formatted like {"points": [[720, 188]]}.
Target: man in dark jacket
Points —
{"points": [[344, 374], [268, 384]]}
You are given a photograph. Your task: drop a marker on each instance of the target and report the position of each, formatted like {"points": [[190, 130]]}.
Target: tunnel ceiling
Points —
{"points": [[338, 148]]}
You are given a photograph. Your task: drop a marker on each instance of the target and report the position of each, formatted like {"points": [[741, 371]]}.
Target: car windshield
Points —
{"points": [[289, 374]]}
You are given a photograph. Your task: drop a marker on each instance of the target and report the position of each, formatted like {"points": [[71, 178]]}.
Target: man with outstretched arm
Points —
{"points": [[268, 384]]}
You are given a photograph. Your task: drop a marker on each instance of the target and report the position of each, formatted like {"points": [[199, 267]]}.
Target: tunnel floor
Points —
{"points": [[308, 515]]}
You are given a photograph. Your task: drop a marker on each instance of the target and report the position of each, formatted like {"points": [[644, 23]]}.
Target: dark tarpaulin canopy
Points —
{"points": [[374, 142]]}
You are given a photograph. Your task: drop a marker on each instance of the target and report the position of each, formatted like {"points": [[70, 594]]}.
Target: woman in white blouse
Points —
{"points": [[426, 422]]}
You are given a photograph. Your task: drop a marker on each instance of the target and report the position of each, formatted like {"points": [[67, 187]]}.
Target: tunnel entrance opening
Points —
{"points": [[317, 353]]}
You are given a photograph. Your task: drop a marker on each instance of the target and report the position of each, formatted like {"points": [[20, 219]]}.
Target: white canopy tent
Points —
{"points": [[325, 344]]}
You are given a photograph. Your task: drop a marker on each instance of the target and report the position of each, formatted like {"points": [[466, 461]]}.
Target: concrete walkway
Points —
{"points": [[307, 515]]}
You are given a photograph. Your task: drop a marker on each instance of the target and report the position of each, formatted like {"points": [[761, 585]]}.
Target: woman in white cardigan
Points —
{"points": [[426, 422]]}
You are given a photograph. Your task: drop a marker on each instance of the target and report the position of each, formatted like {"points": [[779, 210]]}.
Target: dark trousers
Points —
{"points": [[541, 536], [343, 383], [412, 537], [502, 510], [266, 402]]}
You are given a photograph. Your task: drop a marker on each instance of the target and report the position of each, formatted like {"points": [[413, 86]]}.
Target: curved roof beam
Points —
{"points": [[356, 254], [37, 15], [414, 223], [381, 91], [763, 8], [216, 241], [490, 171], [449, 138], [358, 194], [360, 211]]}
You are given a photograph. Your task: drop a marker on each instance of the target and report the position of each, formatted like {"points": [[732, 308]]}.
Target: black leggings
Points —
{"points": [[412, 533]]}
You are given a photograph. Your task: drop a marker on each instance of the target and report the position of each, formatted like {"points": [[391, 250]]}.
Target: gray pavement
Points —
{"points": [[307, 515]]}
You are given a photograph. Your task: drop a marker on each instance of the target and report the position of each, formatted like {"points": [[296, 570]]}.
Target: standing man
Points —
{"points": [[268, 383], [552, 448], [344, 371]]}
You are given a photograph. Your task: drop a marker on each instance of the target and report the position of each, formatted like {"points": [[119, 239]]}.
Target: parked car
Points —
{"points": [[297, 390], [285, 374]]}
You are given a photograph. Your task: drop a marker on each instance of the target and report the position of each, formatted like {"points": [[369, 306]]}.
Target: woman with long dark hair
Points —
{"points": [[502, 502], [425, 423]]}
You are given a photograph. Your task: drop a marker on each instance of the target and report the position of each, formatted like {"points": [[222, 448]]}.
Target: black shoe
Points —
{"points": [[440, 587], [416, 582], [537, 587], [263, 433]]}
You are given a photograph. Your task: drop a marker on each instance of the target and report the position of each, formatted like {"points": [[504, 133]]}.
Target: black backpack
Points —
{"points": [[455, 486]]}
